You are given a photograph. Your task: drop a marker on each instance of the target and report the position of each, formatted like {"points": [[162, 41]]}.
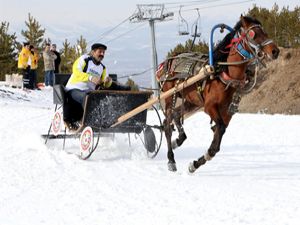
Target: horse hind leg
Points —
{"points": [[179, 112], [220, 129]]}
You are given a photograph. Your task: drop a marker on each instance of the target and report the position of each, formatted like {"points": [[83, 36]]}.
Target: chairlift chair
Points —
{"points": [[183, 26], [196, 26]]}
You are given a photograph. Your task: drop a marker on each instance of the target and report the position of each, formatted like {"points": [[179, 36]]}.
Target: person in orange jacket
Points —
{"points": [[23, 66]]}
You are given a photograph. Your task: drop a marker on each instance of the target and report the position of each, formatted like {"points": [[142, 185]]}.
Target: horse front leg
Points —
{"points": [[181, 134], [220, 129], [168, 133]]}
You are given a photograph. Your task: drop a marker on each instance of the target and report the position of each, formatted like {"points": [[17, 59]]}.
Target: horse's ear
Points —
{"points": [[243, 21]]}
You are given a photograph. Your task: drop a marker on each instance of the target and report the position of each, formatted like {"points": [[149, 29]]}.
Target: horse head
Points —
{"points": [[247, 42], [256, 39]]}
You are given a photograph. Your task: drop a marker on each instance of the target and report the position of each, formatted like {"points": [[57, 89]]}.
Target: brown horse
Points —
{"points": [[246, 44]]}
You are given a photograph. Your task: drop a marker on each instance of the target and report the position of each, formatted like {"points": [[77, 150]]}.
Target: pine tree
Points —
{"points": [[70, 53], [290, 27], [296, 28], [8, 55], [68, 56], [200, 47], [81, 47], [34, 33], [274, 29]]}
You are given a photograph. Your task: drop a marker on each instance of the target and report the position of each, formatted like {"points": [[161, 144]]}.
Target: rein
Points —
{"points": [[234, 63]]}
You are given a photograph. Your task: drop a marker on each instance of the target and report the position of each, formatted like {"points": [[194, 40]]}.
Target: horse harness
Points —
{"points": [[179, 69]]}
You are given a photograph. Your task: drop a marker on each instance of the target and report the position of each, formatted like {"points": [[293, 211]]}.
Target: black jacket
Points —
{"points": [[57, 61]]}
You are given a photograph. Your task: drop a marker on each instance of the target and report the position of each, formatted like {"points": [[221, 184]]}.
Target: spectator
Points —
{"points": [[57, 60], [33, 59], [49, 58], [23, 64]]}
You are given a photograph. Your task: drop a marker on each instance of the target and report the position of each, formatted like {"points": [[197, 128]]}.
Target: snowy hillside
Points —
{"points": [[254, 179]]}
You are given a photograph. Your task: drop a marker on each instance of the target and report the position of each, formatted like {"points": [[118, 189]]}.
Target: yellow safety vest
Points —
{"points": [[34, 60], [23, 58], [82, 69]]}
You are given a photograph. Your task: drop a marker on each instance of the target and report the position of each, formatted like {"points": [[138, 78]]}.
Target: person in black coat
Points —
{"points": [[57, 60]]}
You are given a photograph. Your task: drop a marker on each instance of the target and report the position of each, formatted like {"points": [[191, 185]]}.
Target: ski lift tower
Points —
{"points": [[151, 13]]}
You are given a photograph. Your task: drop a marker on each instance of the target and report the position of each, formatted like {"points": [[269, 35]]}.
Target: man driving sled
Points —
{"points": [[88, 74]]}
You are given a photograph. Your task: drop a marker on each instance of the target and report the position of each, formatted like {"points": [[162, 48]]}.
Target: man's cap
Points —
{"points": [[54, 45], [26, 43], [98, 45]]}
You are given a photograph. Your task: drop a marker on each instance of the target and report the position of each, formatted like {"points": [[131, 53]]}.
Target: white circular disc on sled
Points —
{"points": [[86, 142], [56, 123]]}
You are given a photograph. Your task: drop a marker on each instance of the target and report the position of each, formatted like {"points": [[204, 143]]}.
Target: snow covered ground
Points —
{"points": [[254, 179]]}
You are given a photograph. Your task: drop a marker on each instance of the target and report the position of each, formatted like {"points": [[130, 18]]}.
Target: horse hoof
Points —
{"points": [[172, 167], [192, 168]]}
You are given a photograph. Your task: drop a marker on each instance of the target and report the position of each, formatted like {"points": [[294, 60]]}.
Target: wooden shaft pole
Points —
{"points": [[163, 95]]}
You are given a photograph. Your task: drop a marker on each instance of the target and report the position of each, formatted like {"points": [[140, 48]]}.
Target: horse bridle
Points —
{"points": [[245, 40], [255, 48]]}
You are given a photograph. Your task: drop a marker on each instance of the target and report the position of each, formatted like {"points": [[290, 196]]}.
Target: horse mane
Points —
{"points": [[220, 53]]}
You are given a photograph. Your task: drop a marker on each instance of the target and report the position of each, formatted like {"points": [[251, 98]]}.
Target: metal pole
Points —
{"points": [[154, 58]]}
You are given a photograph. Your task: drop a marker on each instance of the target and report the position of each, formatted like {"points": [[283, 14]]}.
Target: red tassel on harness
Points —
{"points": [[236, 40]]}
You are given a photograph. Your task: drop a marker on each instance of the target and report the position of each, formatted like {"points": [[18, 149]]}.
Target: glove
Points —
{"points": [[94, 79], [107, 82]]}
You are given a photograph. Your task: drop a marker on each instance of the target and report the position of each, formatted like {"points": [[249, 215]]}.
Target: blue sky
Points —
{"points": [[128, 52]]}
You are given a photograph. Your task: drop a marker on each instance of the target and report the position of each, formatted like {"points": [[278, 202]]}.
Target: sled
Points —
{"points": [[102, 110]]}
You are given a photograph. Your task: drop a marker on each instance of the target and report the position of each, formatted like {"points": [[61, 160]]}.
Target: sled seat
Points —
{"points": [[59, 94]]}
